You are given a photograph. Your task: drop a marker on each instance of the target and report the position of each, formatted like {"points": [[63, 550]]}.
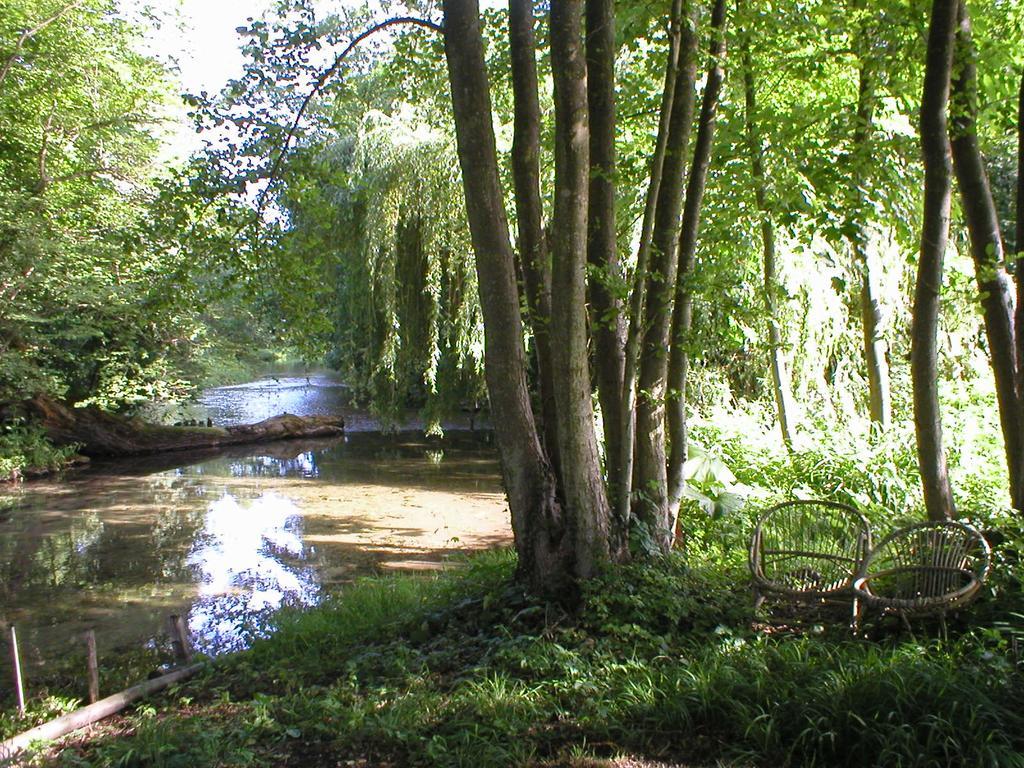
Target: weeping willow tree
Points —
{"points": [[393, 292]]}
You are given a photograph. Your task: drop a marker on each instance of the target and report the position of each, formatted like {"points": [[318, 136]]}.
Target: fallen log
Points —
{"points": [[99, 433], [14, 746]]}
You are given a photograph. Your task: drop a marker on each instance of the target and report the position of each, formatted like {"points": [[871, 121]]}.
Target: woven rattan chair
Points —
{"points": [[924, 569], [808, 552]]}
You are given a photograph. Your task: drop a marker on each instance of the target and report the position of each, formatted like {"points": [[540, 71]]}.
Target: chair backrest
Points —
{"points": [[939, 561], [809, 547]]}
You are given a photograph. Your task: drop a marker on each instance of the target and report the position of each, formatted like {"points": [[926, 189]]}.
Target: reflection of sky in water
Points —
{"points": [[303, 465], [242, 560]]}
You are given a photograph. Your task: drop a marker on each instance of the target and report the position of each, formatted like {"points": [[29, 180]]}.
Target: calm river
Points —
{"points": [[225, 538]]}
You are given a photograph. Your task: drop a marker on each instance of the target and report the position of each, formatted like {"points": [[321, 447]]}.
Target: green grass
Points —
{"points": [[464, 669]]}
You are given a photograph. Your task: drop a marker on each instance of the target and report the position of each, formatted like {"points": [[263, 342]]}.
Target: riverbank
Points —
{"points": [[660, 666], [26, 453]]}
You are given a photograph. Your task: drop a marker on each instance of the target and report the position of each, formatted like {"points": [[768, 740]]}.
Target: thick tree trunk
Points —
{"points": [[529, 209], [938, 496], [879, 396], [543, 544], [627, 415], [987, 250], [678, 364], [100, 433], [606, 321], [583, 490], [780, 372], [651, 478]]}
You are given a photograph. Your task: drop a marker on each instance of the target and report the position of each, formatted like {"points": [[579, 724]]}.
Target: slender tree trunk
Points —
{"points": [[986, 249], [606, 322], [529, 209], [627, 416], [780, 372], [1019, 240], [543, 544], [938, 496], [1019, 244], [583, 490], [660, 280], [678, 364], [1018, 493], [875, 348]]}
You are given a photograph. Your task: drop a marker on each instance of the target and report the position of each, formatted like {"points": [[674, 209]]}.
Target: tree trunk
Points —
{"points": [[627, 415], [583, 491], [986, 249], [1019, 261], [682, 316], [1018, 325], [544, 546], [100, 433], [1019, 244], [606, 322], [875, 348], [651, 467], [780, 372], [938, 496], [529, 209]]}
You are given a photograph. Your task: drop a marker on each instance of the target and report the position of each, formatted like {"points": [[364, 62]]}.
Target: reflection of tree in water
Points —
{"points": [[250, 562], [31, 560], [147, 542]]}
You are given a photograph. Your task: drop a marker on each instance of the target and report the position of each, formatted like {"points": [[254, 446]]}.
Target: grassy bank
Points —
{"points": [[661, 664]]}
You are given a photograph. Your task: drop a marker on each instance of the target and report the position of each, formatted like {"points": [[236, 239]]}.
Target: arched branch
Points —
{"points": [[322, 81], [318, 86]]}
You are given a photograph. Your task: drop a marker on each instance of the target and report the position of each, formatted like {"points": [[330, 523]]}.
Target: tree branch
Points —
{"points": [[322, 81], [28, 34]]}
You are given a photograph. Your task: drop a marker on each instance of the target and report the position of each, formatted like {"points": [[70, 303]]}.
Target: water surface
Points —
{"points": [[227, 537]]}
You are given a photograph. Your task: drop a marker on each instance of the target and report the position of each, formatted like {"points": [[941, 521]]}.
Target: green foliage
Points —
{"points": [[96, 303], [25, 447]]}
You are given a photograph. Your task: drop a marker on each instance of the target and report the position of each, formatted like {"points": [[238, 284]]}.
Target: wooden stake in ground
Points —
{"points": [[19, 687], [80, 718], [92, 666], [179, 638]]}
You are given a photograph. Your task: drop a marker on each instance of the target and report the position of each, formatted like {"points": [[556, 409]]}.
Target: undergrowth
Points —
{"points": [[466, 669], [24, 449]]}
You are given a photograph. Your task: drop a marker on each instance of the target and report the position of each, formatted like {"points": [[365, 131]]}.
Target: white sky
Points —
{"points": [[208, 54], [206, 47]]}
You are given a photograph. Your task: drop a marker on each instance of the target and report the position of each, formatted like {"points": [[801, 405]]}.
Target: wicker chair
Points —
{"points": [[808, 552], [924, 569]]}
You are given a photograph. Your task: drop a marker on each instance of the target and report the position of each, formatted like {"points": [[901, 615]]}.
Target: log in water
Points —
{"points": [[100, 433]]}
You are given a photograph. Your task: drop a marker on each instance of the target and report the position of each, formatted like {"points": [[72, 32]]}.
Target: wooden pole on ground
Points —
{"points": [[19, 686], [88, 715], [92, 666]]}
